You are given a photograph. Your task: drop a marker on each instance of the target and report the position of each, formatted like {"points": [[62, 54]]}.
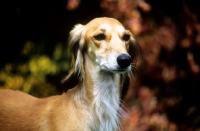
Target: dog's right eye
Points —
{"points": [[126, 37], [100, 37]]}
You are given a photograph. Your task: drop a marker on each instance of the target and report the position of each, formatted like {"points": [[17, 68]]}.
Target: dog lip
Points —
{"points": [[119, 70], [115, 70]]}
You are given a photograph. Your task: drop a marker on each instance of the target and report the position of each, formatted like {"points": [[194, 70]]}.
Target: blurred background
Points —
{"points": [[165, 92]]}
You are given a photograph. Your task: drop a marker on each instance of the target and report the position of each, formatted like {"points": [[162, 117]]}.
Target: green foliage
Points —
{"points": [[30, 76]]}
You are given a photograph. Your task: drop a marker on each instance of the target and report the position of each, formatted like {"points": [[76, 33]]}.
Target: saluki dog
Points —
{"points": [[103, 56]]}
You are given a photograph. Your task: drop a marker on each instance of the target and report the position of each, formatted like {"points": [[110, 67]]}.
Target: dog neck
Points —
{"points": [[101, 89]]}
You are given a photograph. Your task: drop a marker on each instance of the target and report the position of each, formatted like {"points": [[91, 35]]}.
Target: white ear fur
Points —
{"points": [[76, 44], [76, 34]]}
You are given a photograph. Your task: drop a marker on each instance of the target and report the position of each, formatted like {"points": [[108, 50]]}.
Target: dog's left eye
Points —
{"points": [[100, 37], [126, 37]]}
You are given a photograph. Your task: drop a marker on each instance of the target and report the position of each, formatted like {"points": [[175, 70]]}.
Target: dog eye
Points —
{"points": [[100, 37], [126, 37]]}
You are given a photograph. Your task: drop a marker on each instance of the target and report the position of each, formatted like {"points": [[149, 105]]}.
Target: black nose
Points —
{"points": [[124, 60]]}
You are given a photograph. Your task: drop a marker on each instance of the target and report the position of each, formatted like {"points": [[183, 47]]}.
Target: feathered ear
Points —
{"points": [[125, 79], [76, 45], [134, 52], [134, 49]]}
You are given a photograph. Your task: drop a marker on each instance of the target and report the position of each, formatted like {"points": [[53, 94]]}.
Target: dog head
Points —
{"points": [[106, 43]]}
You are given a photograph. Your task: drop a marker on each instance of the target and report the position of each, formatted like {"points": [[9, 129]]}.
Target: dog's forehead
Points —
{"points": [[107, 27], [106, 24]]}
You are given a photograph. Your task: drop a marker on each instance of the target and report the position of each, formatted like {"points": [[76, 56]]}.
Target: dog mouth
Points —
{"points": [[115, 68], [118, 70]]}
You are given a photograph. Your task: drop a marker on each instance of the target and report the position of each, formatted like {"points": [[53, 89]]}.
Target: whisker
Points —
{"points": [[134, 68]]}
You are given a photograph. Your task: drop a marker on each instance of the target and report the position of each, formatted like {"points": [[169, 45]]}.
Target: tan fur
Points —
{"points": [[93, 105]]}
